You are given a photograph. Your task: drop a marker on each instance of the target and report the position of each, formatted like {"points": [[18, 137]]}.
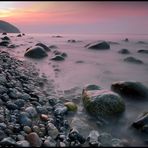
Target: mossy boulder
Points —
{"points": [[101, 102]]}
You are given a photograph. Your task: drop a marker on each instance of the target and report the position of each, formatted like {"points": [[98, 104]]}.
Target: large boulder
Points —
{"points": [[36, 52], [130, 89], [8, 28], [102, 102], [98, 45]]}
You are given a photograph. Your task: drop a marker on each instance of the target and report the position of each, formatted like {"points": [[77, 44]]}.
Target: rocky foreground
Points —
{"points": [[32, 115]]}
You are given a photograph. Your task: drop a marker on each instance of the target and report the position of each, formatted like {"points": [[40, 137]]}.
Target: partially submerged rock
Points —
{"points": [[133, 60], [102, 102], [142, 122], [4, 43], [132, 89], [124, 51], [143, 51], [43, 46], [5, 38], [98, 45], [36, 52], [58, 58]]}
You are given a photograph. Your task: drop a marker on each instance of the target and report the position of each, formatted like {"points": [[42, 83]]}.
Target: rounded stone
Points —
{"points": [[71, 106], [103, 102], [34, 139], [36, 52]]}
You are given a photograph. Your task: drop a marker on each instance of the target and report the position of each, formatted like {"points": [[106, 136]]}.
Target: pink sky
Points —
{"points": [[77, 17]]}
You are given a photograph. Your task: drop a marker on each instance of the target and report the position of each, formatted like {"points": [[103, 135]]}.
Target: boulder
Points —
{"points": [[43, 46], [133, 60], [36, 52], [102, 102], [143, 51], [130, 89], [124, 51], [98, 45]]}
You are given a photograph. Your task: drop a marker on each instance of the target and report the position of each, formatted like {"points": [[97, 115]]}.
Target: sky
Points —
{"points": [[77, 16]]}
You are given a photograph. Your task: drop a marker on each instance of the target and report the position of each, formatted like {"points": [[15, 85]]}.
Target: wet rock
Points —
{"points": [[124, 51], [71, 106], [43, 46], [141, 42], [71, 41], [11, 106], [19, 35], [81, 125], [60, 109], [3, 89], [44, 117], [58, 58], [41, 110], [63, 54], [133, 60], [57, 36], [52, 130], [36, 52], [98, 45], [53, 47], [13, 93], [143, 51], [31, 111], [27, 129], [23, 119], [75, 136], [49, 142], [12, 46], [105, 139], [102, 102], [2, 135], [141, 122], [92, 87], [4, 33], [113, 43], [132, 89], [8, 141], [4, 43], [5, 38], [23, 143], [3, 79], [34, 139], [93, 138], [24, 96], [117, 142], [20, 103]]}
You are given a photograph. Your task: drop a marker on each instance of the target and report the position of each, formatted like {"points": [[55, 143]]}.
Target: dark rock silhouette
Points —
{"points": [[98, 45], [6, 27]]}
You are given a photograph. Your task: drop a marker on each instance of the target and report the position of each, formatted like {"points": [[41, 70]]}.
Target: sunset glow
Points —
{"points": [[111, 15]]}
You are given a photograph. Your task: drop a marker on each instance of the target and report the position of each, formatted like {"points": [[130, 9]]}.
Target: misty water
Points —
{"points": [[84, 66]]}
